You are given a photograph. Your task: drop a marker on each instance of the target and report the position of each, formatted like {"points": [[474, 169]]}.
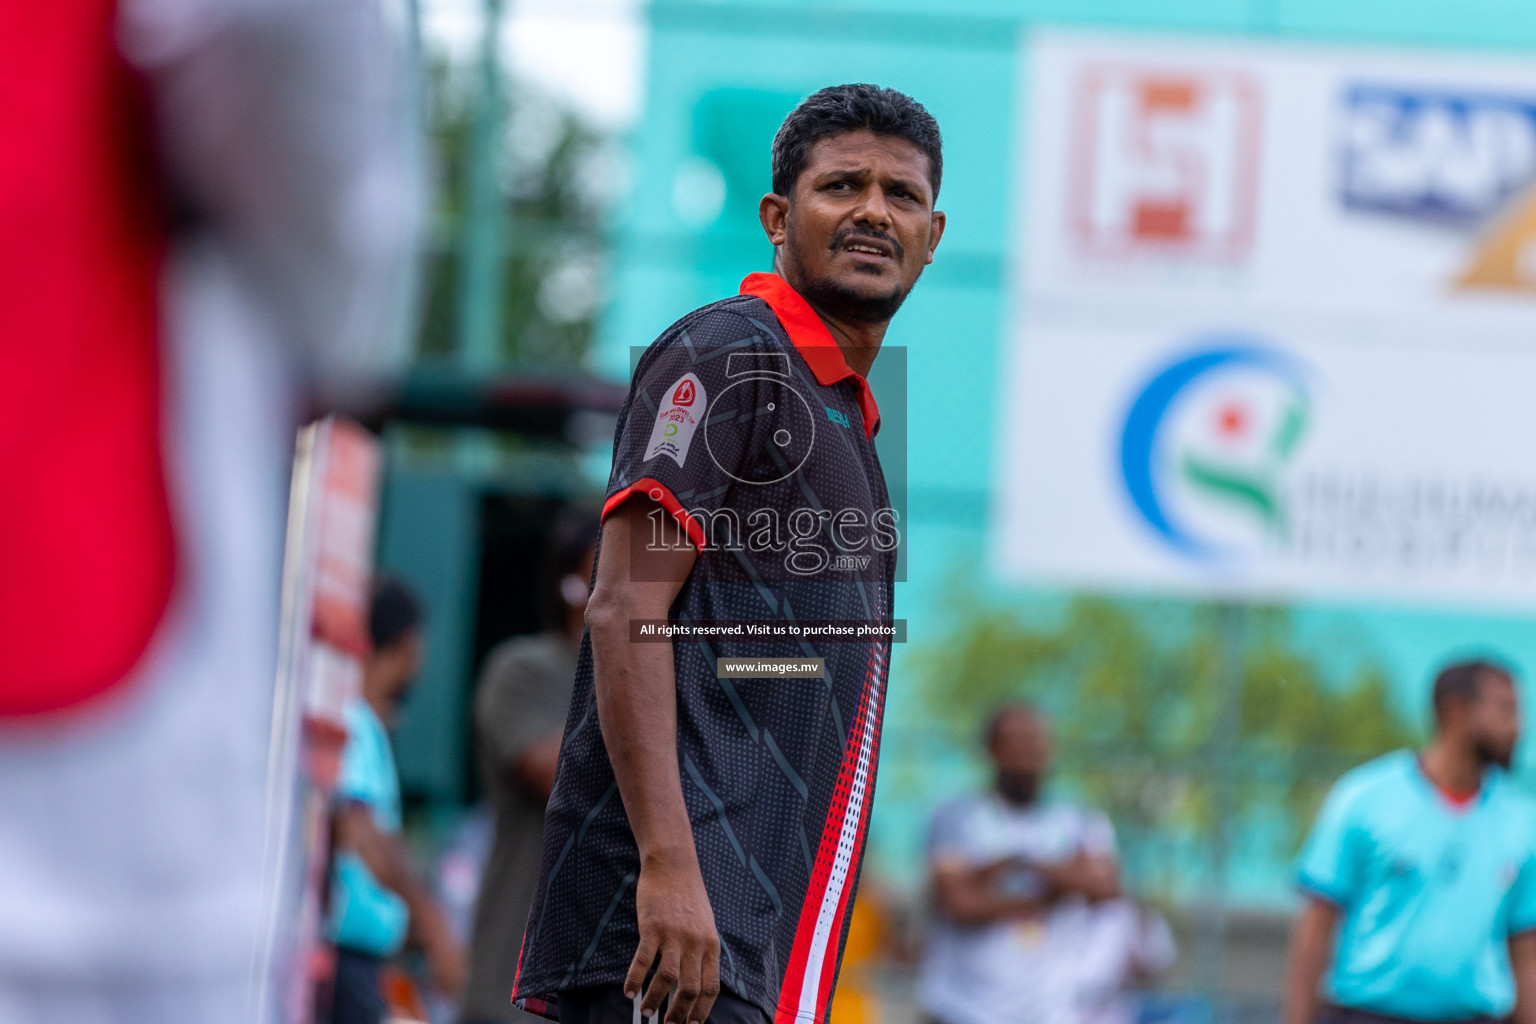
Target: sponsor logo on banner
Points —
{"points": [[1435, 154], [1206, 446], [1215, 461], [677, 420], [1164, 163], [1461, 159]]}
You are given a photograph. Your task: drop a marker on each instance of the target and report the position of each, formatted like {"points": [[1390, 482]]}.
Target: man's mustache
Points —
{"points": [[841, 238]]}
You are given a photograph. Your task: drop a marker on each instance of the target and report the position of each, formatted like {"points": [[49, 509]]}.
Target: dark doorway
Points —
{"points": [[514, 531]]}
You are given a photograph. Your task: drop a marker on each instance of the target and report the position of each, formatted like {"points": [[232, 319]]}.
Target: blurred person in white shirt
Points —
{"points": [[1109, 949], [1015, 877], [209, 211]]}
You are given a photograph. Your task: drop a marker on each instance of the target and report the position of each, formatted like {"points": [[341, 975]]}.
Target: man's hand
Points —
{"points": [[678, 937]]}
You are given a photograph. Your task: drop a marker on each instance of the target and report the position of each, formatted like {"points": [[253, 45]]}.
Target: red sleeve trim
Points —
{"points": [[659, 493]]}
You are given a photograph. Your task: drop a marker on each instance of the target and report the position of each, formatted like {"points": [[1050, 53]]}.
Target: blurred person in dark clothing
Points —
{"points": [[1419, 877], [520, 709], [376, 899], [705, 836], [208, 211]]}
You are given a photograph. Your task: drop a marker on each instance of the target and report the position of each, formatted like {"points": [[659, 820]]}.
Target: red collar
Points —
{"points": [[812, 340], [1457, 801]]}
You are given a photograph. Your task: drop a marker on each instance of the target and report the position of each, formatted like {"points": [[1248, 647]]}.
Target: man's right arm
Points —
{"points": [[636, 692], [1311, 949]]}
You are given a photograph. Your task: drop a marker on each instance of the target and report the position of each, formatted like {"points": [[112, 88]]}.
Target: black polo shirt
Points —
{"points": [[746, 425]]}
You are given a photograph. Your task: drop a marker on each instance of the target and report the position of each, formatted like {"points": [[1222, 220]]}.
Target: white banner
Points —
{"points": [[1161, 170], [1276, 324], [1274, 460]]}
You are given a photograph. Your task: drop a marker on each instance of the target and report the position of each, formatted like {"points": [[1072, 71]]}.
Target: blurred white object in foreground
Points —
{"points": [[130, 828]]}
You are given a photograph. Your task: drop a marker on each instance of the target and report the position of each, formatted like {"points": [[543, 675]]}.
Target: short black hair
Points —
{"points": [[571, 536], [1459, 681], [1005, 711], [393, 611], [848, 108]]}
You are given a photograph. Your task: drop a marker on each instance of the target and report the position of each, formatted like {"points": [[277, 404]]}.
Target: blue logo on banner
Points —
{"points": [[1153, 464], [1433, 153]]}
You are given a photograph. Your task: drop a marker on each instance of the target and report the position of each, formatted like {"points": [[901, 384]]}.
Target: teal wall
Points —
{"points": [[722, 75], [430, 536]]}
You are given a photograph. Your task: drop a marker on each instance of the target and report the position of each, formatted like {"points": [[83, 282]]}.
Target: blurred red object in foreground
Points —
{"points": [[86, 539]]}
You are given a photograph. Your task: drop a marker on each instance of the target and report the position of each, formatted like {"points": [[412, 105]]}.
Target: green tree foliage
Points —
{"points": [[1135, 697], [556, 177]]}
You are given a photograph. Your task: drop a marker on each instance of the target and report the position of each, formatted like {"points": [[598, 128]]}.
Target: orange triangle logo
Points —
{"points": [[1505, 256]]}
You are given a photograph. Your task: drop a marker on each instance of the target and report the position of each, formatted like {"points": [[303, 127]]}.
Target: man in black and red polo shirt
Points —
{"points": [[704, 835]]}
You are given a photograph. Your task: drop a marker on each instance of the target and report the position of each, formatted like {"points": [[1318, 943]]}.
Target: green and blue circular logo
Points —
{"points": [[1206, 443]]}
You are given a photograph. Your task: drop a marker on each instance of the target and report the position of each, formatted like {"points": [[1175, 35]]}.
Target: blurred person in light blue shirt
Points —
{"points": [[1419, 876], [367, 916], [376, 900]]}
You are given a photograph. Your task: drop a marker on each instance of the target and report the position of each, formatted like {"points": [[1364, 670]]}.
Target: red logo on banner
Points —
{"points": [[1165, 162], [684, 393]]}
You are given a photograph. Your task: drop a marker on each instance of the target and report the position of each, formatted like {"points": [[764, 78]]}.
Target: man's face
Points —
{"points": [[1020, 746], [1494, 720], [398, 665], [859, 227]]}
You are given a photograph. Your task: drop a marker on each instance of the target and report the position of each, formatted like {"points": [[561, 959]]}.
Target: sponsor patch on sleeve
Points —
{"points": [[677, 419]]}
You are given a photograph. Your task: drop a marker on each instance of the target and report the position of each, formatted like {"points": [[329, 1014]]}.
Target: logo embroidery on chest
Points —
{"points": [[836, 416], [677, 419]]}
